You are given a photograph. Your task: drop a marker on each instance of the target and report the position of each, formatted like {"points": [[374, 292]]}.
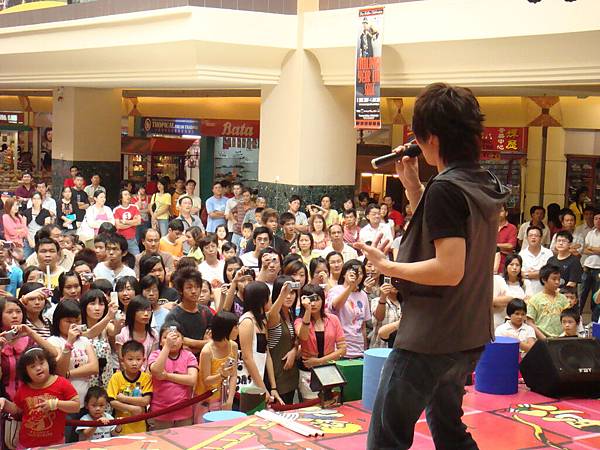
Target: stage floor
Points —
{"points": [[522, 421]]}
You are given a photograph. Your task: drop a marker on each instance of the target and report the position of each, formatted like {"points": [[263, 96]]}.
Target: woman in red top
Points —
{"points": [[15, 225], [320, 334]]}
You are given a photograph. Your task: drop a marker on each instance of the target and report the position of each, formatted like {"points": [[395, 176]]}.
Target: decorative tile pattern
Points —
{"points": [[278, 194]]}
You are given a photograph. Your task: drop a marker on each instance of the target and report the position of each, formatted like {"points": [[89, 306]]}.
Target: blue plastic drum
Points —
{"points": [[218, 416], [373, 365], [498, 369]]}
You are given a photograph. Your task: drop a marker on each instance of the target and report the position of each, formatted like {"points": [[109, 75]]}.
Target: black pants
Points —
{"points": [[413, 382]]}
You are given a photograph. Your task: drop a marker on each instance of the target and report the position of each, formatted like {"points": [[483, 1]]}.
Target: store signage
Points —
{"points": [[367, 76], [230, 128], [11, 117], [496, 142], [170, 127]]}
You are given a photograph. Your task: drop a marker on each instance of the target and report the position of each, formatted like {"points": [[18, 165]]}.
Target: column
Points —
{"points": [[308, 141], [87, 133]]}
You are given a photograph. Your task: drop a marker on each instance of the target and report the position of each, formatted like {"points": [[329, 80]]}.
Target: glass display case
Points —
{"points": [[583, 171]]}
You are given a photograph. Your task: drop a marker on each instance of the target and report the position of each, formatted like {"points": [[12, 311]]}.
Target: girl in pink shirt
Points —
{"points": [[320, 334], [15, 225]]}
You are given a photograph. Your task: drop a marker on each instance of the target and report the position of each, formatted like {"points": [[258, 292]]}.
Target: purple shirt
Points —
{"points": [[352, 316], [23, 192]]}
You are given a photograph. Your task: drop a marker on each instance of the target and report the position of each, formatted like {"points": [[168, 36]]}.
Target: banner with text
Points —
{"points": [[367, 89]]}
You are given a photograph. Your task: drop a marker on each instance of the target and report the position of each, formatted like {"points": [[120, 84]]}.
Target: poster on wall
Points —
{"points": [[236, 158], [367, 86]]}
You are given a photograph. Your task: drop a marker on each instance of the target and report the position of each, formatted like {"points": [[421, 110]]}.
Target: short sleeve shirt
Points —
{"points": [[215, 204], [101, 432], [128, 213], [352, 315], [546, 312], [446, 211], [120, 384]]}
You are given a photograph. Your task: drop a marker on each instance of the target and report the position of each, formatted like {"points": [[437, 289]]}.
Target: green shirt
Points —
{"points": [[546, 310]]}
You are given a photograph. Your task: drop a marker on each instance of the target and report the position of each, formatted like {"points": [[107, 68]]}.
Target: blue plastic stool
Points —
{"points": [[218, 416], [498, 369]]}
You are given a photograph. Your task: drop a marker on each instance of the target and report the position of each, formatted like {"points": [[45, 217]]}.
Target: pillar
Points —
{"points": [[87, 133], [308, 141]]}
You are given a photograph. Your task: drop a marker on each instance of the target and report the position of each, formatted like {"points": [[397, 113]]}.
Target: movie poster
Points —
{"points": [[367, 88]]}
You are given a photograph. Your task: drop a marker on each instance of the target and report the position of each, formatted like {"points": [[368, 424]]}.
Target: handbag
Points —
{"points": [[10, 432], [153, 203]]}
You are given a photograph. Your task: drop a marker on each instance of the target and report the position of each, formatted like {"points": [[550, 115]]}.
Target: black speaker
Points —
{"points": [[563, 367]]}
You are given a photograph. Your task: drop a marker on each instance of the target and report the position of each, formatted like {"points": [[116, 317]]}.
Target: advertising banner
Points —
{"points": [[170, 127], [367, 89]]}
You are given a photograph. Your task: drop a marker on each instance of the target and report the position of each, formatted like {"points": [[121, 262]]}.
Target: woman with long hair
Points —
{"points": [[138, 327], [15, 224], [159, 206], [193, 235], [66, 210], [236, 279], [318, 229], [36, 217], [96, 215], [154, 265], [305, 244], [507, 286], [335, 260]]}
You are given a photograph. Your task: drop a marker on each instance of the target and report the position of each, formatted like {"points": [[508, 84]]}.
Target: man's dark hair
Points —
{"points": [[533, 227], [176, 225], [186, 274], [207, 240], [46, 240], [350, 212], [571, 312], [452, 114], [269, 250], [362, 196], [294, 197], [565, 234], [247, 225], [535, 208], [568, 212], [191, 181], [262, 230], [546, 271], [568, 290], [220, 183], [589, 208], [286, 217], [267, 214], [369, 207], [132, 346], [516, 304], [44, 232]]}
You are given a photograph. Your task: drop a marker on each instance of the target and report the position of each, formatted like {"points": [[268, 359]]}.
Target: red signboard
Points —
{"points": [[11, 117], [230, 128], [496, 142]]}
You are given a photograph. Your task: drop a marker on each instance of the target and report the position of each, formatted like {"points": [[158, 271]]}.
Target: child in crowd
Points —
{"points": [[570, 320], [130, 389], [193, 235], [247, 229], [516, 327], [228, 250], [138, 327], [544, 308], [207, 297], [172, 242], [218, 362], [44, 400], [571, 294], [96, 401], [150, 286], [174, 373]]}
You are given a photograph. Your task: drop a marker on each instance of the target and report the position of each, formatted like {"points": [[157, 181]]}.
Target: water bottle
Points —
{"points": [[137, 391]]}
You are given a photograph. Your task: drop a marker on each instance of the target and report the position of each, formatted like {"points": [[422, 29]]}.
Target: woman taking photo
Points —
{"points": [[67, 220], [320, 335], [36, 217], [385, 310], [15, 225], [282, 337], [159, 206], [349, 302], [297, 270], [256, 358], [236, 279], [34, 298], [318, 230]]}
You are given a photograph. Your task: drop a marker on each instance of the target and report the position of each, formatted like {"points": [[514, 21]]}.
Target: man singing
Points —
{"points": [[443, 273]]}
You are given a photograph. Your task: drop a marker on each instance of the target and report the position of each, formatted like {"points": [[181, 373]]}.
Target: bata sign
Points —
{"points": [[230, 128]]}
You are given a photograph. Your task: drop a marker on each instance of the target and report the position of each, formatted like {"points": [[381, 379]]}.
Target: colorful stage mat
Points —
{"points": [[522, 421]]}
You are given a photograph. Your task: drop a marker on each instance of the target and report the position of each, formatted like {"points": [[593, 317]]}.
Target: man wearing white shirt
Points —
{"points": [[294, 208], [537, 216], [113, 268], [534, 258], [588, 222], [48, 202], [190, 187], [591, 266], [336, 234], [262, 238], [375, 226]]}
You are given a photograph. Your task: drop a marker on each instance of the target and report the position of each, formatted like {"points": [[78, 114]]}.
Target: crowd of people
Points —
{"points": [[118, 312], [545, 273]]}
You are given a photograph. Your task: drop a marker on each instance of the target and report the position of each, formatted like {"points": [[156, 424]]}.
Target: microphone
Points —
{"points": [[413, 150]]}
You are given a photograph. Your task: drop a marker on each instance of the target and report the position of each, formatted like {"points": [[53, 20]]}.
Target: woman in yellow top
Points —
{"points": [[159, 207], [581, 201], [218, 365]]}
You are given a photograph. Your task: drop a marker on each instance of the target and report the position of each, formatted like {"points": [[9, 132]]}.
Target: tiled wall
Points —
{"points": [[278, 194]]}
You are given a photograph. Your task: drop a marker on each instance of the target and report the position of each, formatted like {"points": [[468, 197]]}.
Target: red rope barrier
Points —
{"points": [[150, 415], [308, 403]]}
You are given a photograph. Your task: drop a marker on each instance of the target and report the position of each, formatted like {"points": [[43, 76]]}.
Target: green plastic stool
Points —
{"points": [[352, 369]]}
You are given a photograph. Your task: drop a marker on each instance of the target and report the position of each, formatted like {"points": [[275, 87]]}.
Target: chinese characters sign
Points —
{"points": [[498, 142], [367, 89]]}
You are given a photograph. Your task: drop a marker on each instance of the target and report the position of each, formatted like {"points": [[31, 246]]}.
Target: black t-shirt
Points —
{"points": [[279, 244], [194, 324], [169, 293], [79, 196], [446, 211], [570, 269]]}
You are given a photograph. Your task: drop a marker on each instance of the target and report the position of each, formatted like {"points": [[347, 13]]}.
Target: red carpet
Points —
{"points": [[522, 421]]}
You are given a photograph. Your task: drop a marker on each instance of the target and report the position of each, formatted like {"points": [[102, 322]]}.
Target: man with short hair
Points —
{"points": [[70, 182], [369, 232], [47, 253], [231, 202], [113, 268], [151, 243], [79, 198], [534, 256], [261, 238], [287, 221], [95, 186], [179, 191], [47, 201], [393, 213], [215, 207], [190, 188], [537, 220], [270, 219], [506, 239], [238, 212], [577, 241], [588, 222], [127, 219], [591, 266], [337, 244], [570, 267], [65, 256], [172, 242], [294, 208], [26, 189], [351, 229]]}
